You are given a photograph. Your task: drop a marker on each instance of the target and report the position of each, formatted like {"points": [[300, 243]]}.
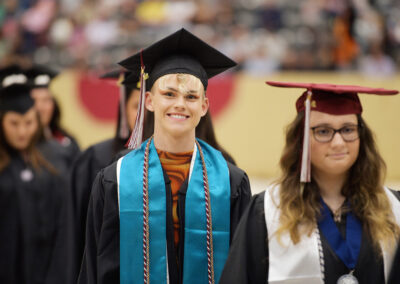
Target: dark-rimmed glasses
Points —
{"points": [[325, 134]]}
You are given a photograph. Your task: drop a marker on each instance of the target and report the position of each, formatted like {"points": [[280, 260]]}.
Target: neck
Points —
{"points": [[24, 155], [174, 144], [330, 187]]}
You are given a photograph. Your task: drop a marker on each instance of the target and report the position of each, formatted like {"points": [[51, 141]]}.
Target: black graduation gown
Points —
{"points": [[32, 212], [101, 259], [70, 149], [54, 153], [395, 274], [248, 257], [83, 173]]}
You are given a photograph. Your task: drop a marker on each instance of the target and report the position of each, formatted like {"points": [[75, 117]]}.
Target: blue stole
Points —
{"points": [[346, 249], [130, 194]]}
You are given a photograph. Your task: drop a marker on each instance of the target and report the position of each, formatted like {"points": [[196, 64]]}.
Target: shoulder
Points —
{"points": [[99, 153], [238, 179], [106, 177], [122, 153], [109, 173], [105, 184], [236, 174], [254, 215], [257, 203], [396, 193], [258, 198], [105, 145]]}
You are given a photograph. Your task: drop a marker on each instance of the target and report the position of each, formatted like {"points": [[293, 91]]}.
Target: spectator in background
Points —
{"points": [[79, 33], [376, 63], [346, 48], [49, 111]]}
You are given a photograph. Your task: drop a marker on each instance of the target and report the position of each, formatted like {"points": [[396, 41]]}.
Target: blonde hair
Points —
{"points": [[300, 207], [186, 83]]}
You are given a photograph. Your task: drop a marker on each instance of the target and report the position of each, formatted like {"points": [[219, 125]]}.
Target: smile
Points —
{"points": [[178, 116]]}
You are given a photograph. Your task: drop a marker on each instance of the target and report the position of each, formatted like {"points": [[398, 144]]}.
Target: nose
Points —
{"points": [[22, 130], [180, 102], [337, 140]]}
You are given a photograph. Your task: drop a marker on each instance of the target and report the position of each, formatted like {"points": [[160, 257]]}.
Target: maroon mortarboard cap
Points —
{"points": [[326, 98], [332, 99]]}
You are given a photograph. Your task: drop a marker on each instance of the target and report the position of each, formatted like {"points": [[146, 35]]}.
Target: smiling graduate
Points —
{"points": [[167, 210]]}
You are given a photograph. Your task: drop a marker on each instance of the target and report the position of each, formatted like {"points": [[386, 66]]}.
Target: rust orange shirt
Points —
{"points": [[177, 166]]}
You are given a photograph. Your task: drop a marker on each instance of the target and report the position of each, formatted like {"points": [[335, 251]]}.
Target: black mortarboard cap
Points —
{"points": [[126, 86], [129, 78], [132, 79], [9, 70], [114, 74], [16, 97], [40, 76], [180, 52]]}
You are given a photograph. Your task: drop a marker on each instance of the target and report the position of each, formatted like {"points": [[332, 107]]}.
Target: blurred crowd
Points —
{"points": [[263, 36]]}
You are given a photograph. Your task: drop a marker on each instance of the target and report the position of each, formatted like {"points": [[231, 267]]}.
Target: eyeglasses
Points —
{"points": [[325, 134]]}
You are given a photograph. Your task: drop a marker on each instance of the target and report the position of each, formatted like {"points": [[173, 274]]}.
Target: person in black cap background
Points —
{"points": [[32, 192], [50, 114], [91, 161], [328, 219], [168, 209]]}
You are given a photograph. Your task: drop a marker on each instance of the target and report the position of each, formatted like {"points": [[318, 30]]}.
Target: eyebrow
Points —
{"points": [[188, 92]]}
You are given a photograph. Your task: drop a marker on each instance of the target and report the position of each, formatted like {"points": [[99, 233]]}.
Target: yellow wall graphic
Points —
{"points": [[251, 127]]}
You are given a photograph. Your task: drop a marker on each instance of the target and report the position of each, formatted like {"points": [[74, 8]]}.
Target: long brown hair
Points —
{"points": [[363, 189], [34, 157]]}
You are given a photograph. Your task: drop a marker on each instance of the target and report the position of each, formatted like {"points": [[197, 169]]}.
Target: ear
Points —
{"points": [[149, 101], [205, 105]]}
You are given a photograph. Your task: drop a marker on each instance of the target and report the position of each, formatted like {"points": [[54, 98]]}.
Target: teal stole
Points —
{"points": [[130, 198]]}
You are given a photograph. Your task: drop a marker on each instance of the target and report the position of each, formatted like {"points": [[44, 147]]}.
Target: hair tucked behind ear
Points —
{"points": [[363, 188]]}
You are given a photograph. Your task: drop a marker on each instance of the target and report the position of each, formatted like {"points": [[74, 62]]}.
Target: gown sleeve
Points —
{"points": [[83, 173], [88, 272], [78, 199], [247, 262], [100, 263]]}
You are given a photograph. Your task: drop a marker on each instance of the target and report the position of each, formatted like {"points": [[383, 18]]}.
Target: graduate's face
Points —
{"points": [[19, 129], [131, 108], [44, 104], [337, 156], [178, 103]]}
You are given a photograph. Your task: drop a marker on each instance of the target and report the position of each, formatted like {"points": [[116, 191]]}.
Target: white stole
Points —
{"points": [[299, 263]]}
